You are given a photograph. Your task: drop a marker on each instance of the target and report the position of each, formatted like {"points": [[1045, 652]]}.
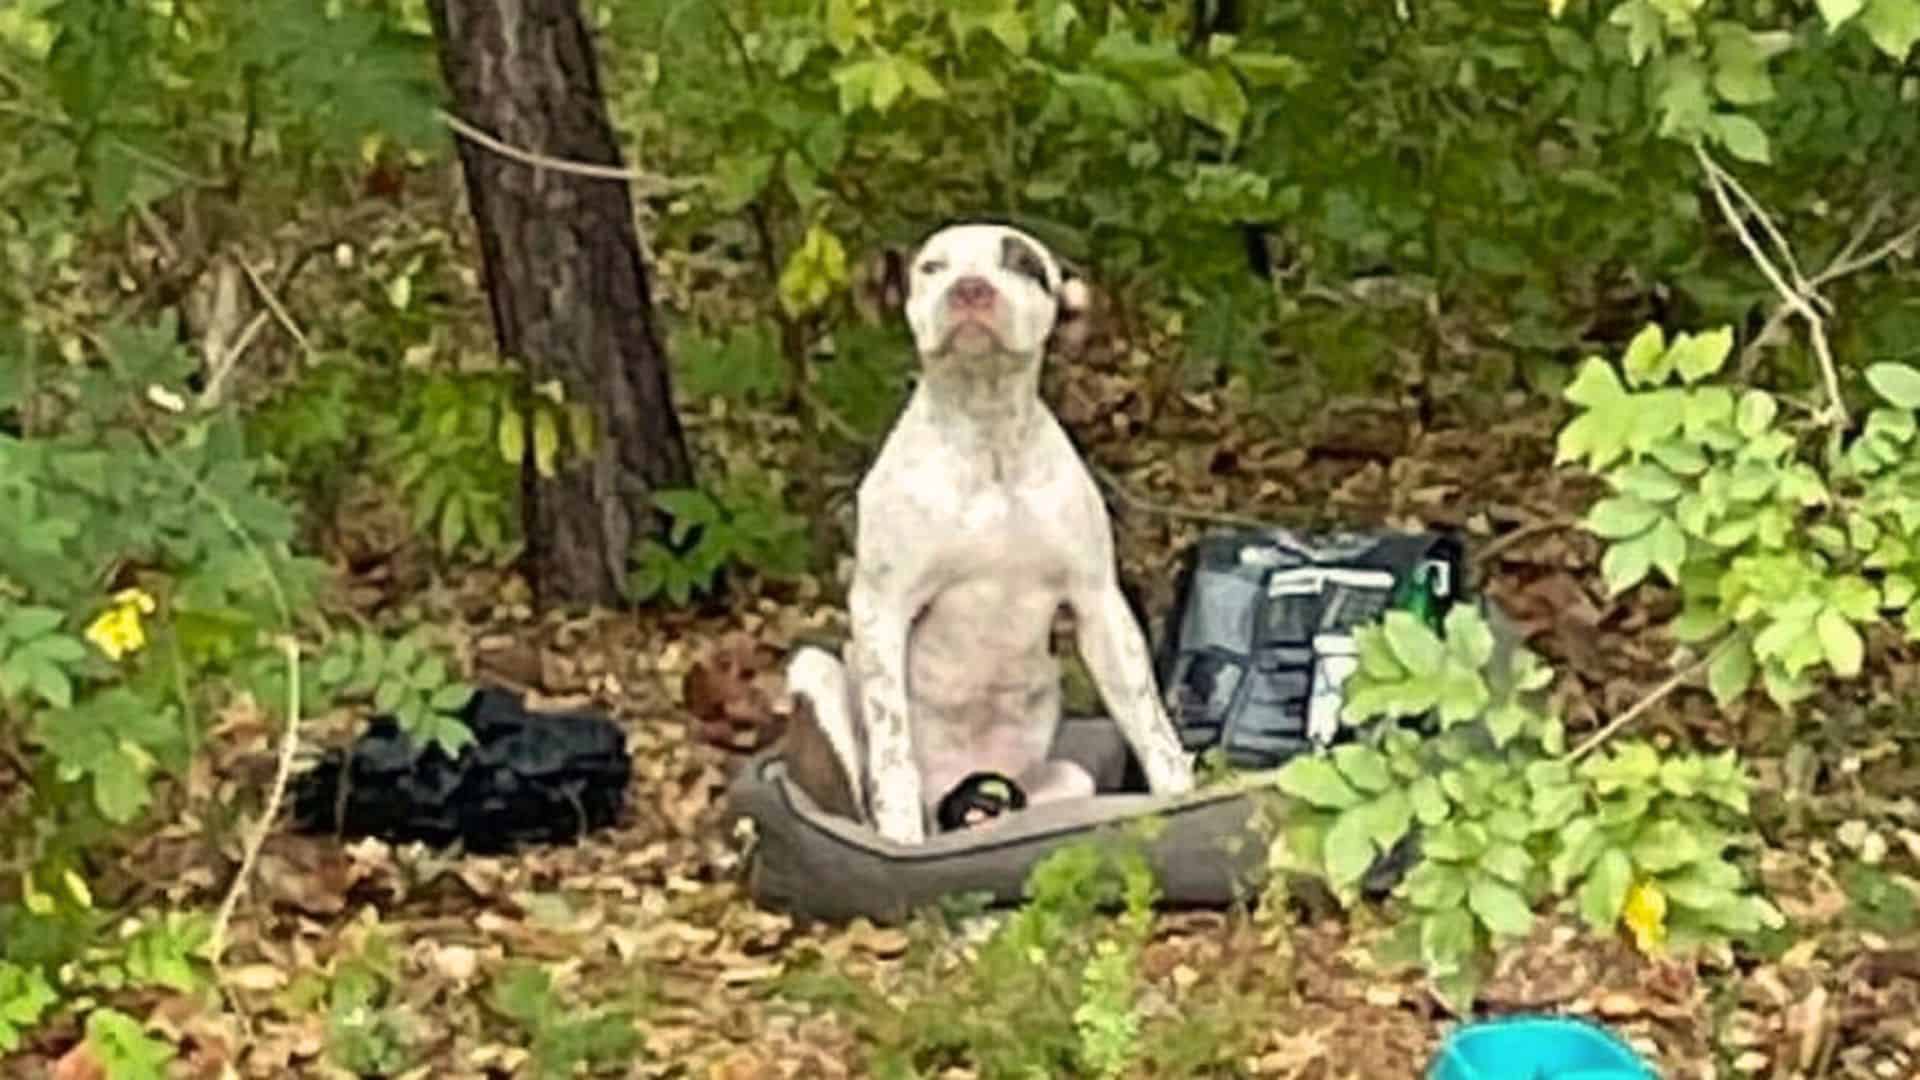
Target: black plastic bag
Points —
{"points": [[527, 778]]}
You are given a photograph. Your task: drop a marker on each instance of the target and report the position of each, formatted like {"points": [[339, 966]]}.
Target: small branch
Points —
{"points": [[649, 181], [1140, 502], [834, 420], [1840, 269], [273, 304], [1800, 300], [290, 739], [1843, 264], [218, 368], [1654, 697], [1538, 527], [289, 743]]}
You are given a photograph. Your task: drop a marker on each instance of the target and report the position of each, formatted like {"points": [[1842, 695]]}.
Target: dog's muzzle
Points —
{"points": [[972, 303]]}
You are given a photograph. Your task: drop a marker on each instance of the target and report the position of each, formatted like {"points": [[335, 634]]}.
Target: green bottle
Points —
{"points": [[1415, 593]]}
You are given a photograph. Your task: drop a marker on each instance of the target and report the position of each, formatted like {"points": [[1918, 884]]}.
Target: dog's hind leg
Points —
{"points": [[1055, 779], [823, 748]]}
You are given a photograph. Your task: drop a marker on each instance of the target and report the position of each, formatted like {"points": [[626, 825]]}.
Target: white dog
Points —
{"points": [[976, 523]]}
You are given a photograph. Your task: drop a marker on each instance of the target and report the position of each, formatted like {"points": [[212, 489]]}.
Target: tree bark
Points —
{"points": [[566, 284]]}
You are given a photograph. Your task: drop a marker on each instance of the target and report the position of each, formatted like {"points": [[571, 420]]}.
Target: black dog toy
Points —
{"points": [[982, 796]]}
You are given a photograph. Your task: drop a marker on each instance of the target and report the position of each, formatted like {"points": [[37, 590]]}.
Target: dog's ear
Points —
{"points": [[1074, 324], [880, 285]]}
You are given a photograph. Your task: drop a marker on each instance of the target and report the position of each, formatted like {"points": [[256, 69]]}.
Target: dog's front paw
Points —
{"points": [[1175, 775]]}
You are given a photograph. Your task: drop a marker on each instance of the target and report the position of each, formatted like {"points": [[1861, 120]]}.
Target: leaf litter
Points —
{"points": [[652, 915]]}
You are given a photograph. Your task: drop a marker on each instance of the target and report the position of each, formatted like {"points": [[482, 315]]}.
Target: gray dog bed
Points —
{"points": [[1207, 848]]}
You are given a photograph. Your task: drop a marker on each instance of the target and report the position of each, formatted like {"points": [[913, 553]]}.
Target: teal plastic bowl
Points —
{"points": [[1536, 1048]]}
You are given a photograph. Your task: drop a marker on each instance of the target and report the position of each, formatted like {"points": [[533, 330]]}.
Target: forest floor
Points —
{"points": [[652, 915]]}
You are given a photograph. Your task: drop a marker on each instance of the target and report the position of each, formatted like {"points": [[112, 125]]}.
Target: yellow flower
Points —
{"points": [[117, 630], [1646, 915], [135, 598]]}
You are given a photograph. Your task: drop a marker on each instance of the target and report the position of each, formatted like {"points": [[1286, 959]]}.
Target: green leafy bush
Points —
{"points": [[562, 1040], [1506, 819], [1053, 991], [743, 523], [1787, 542]]}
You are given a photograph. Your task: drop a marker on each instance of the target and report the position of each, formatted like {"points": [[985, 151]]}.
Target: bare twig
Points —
{"points": [[290, 739], [1654, 697], [1139, 502], [651, 182], [1499, 544], [157, 232], [1767, 225], [834, 420], [1800, 299], [289, 743], [1902, 239], [1845, 263], [273, 304], [222, 351]]}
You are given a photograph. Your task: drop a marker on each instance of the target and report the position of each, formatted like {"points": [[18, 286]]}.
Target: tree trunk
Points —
{"points": [[566, 284]]}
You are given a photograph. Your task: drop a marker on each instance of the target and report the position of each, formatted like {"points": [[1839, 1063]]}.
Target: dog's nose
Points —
{"points": [[972, 292]]}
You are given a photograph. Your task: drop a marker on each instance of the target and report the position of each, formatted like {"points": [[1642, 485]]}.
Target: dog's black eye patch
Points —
{"points": [[1018, 256]]}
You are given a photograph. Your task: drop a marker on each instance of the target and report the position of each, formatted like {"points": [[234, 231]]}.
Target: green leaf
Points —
{"points": [[1621, 518], [1463, 695], [1456, 841], [124, 1049], [1596, 386], [1841, 643], [1647, 361], [1500, 906], [24, 997], [546, 443], [1666, 845], [1316, 780], [1414, 643], [1893, 25], [1364, 767], [1755, 413], [1468, 636], [1581, 842], [1648, 482], [1268, 69], [1667, 549], [1446, 941], [1899, 384], [511, 434], [49, 682], [1740, 65], [1644, 25], [1696, 356], [27, 623], [1349, 849], [1509, 862], [120, 788], [1391, 815], [1731, 673], [1436, 886], [1697, 624], [1429, 801], [1604, 892], [1837, 12], [1504, 724], [919, 80], [1626, 564], [452, 698]]}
